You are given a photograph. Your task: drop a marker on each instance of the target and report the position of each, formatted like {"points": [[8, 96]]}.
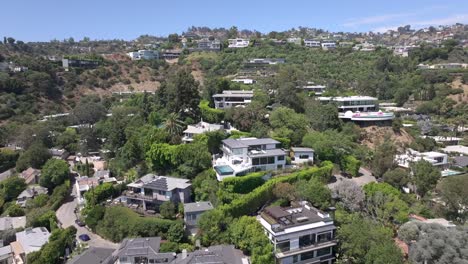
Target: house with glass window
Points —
{"points": [[302, 155], [232, 98], [150, 191], [243, 155], [300, 234]]}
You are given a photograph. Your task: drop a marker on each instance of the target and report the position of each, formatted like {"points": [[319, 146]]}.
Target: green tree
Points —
{"points": [[35, 156], [213, 227], [425, 176], [322, 117], [7, 159], [100, 193], [350, 165], [295, 124], [88, 112], [314, 191], [12, 187], [174, 127], [167, 210], [398, 177], [454, 193], [54, 173], [181, 94], [384, 156], [383, 204], [176, 232], [15, 210]]}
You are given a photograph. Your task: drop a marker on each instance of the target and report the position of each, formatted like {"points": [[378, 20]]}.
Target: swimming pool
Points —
{"points": [[448, 172], [224, 170]]}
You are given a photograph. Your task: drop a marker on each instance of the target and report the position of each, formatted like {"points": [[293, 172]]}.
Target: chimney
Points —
{"points": [[184, 253]]}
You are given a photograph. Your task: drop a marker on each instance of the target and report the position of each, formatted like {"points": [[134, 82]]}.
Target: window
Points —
{"points": [[162, 192], [271, 160], [324, 237], [141, 259], [280, 157], [303, 156], [306, 240], [307, 255], [255, 161], [324, 251], [263, 160], [295, 258], [283, 246]]}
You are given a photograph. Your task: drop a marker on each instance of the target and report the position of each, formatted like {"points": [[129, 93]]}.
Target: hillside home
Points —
{"points": [[150, 191], [313, 88], [238, 43], [209, 45], [232, 98], [192, 212], [76, 63], [29, 194], [312, 43], [6, 255], [144, 55], [299, 234], [435, 158], [328, 45], [171, 54], [244, 80], [301, 155], [139, 250], [28, 241], [244, 155], [199, 128], [8, 222], [31, 175]]}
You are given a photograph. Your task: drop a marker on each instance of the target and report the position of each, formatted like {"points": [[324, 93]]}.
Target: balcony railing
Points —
{"points": [[138, 196], [287, 251]]}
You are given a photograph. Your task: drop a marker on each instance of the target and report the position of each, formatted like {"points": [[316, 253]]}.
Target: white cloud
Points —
{"points": [[374, 19], [450, 20]]}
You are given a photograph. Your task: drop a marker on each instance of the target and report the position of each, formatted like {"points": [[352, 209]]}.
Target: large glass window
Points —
{"points": [[280, 157], [283, 246], [324, 237], [306, 240], [324, 251], [271, 160], [255, 161], [307, 255], [303, 156]]}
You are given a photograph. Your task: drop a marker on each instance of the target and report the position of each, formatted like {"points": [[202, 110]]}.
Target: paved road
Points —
{"points": [[66, 216]]}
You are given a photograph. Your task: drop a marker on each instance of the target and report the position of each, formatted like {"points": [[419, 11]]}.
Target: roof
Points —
{"points": [[5, 250], [246, 142], [461, 161], [12, 222], [6, 174], [222, 254], [235, 93], [202, 127], [30, 174], [32, 191], [147, 246], [16, 248], [93, 255], [266, 153], [32, 239], [197, 207], [163, 183], [300, 149], [348, 98], [102, 174], [456, 148]]}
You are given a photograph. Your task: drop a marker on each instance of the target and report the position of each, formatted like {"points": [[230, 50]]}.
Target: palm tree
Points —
{"points": [[174, 126]]}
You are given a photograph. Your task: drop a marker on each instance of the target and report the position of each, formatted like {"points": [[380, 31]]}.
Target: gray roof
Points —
{"points": [[301, 149], [32, 239], [267, 153], [461, 161], [145, 246], [102, 174], [235, 93], [197, 207], [246, 142], [163, 183], [32, 191], [12, 222], [5, 250], [6, 174], [225, 254], [93, 255]]}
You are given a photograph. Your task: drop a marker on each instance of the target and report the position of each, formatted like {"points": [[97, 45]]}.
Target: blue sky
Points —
{"points": [[42, 20]]}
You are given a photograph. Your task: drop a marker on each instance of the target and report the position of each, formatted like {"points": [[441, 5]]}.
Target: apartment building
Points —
{"points": [[244, 155], [151, 190], [232, 98], [238, 43], [300, 234]]}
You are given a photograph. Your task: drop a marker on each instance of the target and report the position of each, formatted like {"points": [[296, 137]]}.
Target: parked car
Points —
{"points": [[84, 237], [79, 222]]}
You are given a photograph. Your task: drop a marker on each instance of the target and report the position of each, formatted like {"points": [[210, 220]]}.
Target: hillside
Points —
{"points": [[373, 135]]}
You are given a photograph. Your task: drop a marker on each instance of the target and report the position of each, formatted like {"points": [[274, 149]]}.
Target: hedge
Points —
{"points": [[209, 114], [244, 184], [249, 203]]}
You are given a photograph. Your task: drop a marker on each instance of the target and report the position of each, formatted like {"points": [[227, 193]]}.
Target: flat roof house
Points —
{"points": [[144, 55], [435, 158], [192, 212], [32, 239], [311, 87], [232, 98], [312, 43], [8, 222], [238, 43], [200, 128], [6, 255], [299, 234], [244, 155], [151, 190], [300, 155], [140, 250], [328, 45]]}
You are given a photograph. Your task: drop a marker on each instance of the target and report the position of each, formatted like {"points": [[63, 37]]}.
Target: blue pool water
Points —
{"points": [[224, 170]]}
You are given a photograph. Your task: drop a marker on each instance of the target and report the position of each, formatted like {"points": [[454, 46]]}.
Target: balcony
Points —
{"points": [[138, 196], [286, 252]]}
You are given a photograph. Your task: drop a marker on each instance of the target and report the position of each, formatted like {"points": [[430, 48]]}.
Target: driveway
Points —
{"points": [[66, 216], [365, 177]]}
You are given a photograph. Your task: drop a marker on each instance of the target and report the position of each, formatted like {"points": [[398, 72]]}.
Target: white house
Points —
{"points": [[299, 234], [435, 158], [243, 80], [200, 128], [238, 43], [144, 55], [312, 43], [328, 45], [302, 155], [311, 87], [232, 98], [244, 155]]}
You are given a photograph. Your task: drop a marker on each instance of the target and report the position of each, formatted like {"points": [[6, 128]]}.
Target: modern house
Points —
{"points": [[435, 158], [192, 212], [30, 240], [31, 175], [144, 55], [301, 155], [59, 153], [238, 43], [300, 234], [328, 45], [209, 45], [232, 98], [244, 80], [312, 43], [313, 88], [171, 54], [265, 61], [222, 254], [244, 155], [86, 64], [29, 194], [151, 190], [359, 109], [84, 184], [200, 128]]}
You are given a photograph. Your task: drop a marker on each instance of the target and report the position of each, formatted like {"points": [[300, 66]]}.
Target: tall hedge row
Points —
{"points": [[251, 202], [243, 184]]}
